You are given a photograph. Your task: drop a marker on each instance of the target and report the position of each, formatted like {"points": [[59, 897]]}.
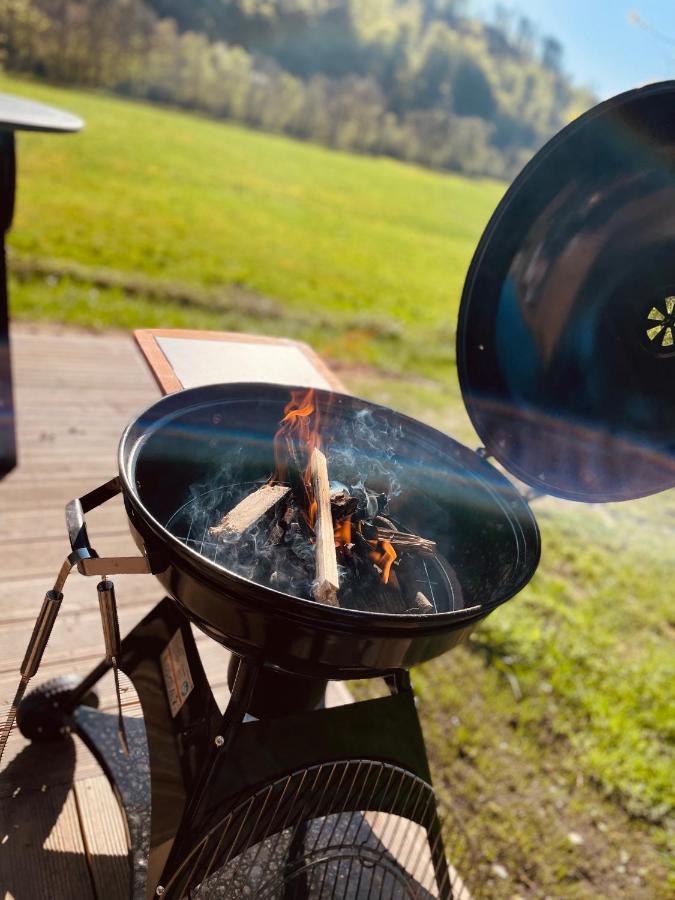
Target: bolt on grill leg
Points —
{"points": [[111, 636]]}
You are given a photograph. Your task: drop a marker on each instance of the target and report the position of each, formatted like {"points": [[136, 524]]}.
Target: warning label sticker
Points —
{"points": [[176, 671]]}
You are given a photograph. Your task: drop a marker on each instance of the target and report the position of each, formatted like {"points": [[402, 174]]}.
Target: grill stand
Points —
{"points": [[194, 785], [184, 772]]}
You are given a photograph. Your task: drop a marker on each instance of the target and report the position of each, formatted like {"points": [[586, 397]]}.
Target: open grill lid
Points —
{"points": [[566, 335]]}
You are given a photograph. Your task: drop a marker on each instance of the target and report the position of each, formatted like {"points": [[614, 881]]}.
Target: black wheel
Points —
{"points": [[43, 714]]}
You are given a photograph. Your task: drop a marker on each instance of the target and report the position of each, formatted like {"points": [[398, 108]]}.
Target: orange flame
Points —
{"points": [[297, 430], [313, 506], [383, 555], [343, 531], [297, 437]]}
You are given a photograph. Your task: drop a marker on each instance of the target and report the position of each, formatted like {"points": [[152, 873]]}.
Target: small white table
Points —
{"points": [[183, 359]]}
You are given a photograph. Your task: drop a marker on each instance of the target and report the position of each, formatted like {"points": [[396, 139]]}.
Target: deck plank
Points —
{"points": [[74, 394], [106, 839], [42, 856]]}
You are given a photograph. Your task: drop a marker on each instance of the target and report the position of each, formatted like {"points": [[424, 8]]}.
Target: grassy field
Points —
{"points": [[381, 247], [552, 731]]}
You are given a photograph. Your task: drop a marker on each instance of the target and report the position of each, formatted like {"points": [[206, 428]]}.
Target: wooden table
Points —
{"points": [[184, 359], [16, 114]]}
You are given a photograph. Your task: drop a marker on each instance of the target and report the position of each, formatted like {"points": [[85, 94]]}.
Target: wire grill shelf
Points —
{"points": [[349, 830]]}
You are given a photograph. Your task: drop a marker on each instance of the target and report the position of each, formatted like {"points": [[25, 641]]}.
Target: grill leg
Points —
{"points": [[240, 699], [439, 860], [165, 746]]}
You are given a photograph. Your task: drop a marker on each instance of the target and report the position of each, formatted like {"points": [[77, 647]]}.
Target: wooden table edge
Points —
{"points": [[168, 381]]}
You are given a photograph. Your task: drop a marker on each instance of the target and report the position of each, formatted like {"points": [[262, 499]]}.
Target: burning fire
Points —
{"points": [[296, 423], [298, 434], [343, 531], [297, 437], [383, 555]]}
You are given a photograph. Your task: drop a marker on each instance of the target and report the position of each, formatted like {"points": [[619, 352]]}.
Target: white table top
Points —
{"points": [[19, 114], [183, 358], [198, 362]]}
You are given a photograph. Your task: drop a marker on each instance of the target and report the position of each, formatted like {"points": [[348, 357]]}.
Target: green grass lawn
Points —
{"points": [[175, 196], [552, 731]]}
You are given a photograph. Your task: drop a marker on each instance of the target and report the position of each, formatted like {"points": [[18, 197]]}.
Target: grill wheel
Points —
{"points": [[43, 715]]}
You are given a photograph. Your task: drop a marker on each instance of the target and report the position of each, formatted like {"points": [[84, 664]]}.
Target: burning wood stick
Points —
{"points": [[406, 541], [326, 582], [249, 510]]}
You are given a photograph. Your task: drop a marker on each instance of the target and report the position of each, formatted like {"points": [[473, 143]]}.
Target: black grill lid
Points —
{"points": [[566, 336]]}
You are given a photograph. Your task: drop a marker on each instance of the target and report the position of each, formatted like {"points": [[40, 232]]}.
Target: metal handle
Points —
{"points": [[41, 632], [88, 560], [113, 645], [111, 628], [31, 661]]}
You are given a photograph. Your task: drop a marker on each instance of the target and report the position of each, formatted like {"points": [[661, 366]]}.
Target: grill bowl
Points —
{"points": [[447, 493]]}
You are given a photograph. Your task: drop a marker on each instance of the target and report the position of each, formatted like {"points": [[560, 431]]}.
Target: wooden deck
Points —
{"points": [[61, 833]]}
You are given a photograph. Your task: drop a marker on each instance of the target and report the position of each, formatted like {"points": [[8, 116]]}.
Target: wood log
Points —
{"points": [[249, 511], [326, 582], [383, 522], [422, 603], [405, 541]]}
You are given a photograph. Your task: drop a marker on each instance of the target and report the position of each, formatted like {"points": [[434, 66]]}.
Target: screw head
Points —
{"points": [[219, 740], [159, 890]]}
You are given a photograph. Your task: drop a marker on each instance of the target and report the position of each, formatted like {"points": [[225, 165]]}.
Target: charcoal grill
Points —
{"points": [[565, 350]]}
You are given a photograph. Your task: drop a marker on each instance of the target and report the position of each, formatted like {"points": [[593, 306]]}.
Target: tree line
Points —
{"points": [[419, 80]]}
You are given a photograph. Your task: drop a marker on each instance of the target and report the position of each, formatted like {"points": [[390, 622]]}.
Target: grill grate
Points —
{"points": [[348, 830], [190, 523]]}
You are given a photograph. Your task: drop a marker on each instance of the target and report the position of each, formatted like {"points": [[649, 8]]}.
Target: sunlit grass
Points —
{"points": [[164, 193]]}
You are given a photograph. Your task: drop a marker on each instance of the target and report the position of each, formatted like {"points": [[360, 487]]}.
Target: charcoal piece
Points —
{"points": [[280, 527], [369, 503], [383, 522], [369, 531], [422, 604], [342, 505], [382, 501]]}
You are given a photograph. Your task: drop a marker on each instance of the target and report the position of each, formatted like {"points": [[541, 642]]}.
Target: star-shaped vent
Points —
{"points": [[661, 324]]}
